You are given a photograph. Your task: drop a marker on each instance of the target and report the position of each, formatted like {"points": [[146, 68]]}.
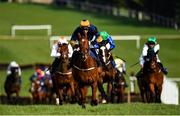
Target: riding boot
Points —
{"points": [[139, 74], [96, 57], [113, 62], [164, 70]]}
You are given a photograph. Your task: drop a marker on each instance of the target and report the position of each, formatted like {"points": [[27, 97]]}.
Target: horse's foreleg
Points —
{"points": [[152, 92], [61, 96], [73, 97], [158, 93], [83, 96], [94, 90], [17, 97], [103, 94]]}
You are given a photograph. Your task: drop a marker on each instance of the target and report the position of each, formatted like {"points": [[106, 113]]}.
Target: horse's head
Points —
{"points": [[35, 86], [15, 72], [63, 50], [104, 54], [83, 45], [151, 60]]}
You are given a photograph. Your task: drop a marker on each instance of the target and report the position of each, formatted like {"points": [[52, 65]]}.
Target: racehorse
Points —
{"points": [[108, 72], [63, 79], [153, 77], [13, 84], [85, 71], [42, 92], [119, 87]]}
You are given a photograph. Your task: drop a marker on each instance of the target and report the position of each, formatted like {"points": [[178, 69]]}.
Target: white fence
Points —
{"points": [[176, 79], [30, 27], [116, 37]]}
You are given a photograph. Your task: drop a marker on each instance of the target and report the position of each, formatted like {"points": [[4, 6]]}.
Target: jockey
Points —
{"points": [[151, 44], [13, 64], [120, 65], [56, 55], [92, 33], [104, 39], [38, 75]]}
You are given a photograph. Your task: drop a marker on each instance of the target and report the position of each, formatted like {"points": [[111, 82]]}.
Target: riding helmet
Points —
{"points": [[152, 40], [85, 23]]}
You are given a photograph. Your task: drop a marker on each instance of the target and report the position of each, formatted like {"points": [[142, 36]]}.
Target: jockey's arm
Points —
{"points": [[156, 48], [9, 70], [19, 71], [110, 44], [144, 51], [54, 52], [70, 51]]}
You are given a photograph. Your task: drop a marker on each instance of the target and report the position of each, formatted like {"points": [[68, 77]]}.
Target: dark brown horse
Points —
{"points": [[42, 93], [108, 72], [85, 71], [153, 77], [63, 79], [13, 84], [119, 88]]}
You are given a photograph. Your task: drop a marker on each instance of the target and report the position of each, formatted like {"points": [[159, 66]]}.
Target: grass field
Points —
{"points": [[103, 109], [35, 49], [65, 20]]}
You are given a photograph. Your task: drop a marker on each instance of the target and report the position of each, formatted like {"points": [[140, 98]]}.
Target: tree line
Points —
{"points": [[166, 8]]}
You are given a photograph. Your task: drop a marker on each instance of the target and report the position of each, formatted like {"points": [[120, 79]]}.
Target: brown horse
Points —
{"points": [[63, 79], [108, 72], [153, 77], [13, 84], [85, 71], [42, 93], [119, 88]]}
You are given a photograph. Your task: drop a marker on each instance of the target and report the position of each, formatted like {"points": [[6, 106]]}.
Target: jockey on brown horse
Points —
{"points": [[151, 44], [104, 45], [55, 54], [92, 33]]}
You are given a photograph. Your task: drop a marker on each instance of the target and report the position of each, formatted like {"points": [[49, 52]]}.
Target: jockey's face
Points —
{"points": [[151, 45], [84, 28]]}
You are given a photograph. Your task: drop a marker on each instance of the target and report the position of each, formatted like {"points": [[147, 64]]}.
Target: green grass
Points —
{"points": [[103, 109], [65, 20]]}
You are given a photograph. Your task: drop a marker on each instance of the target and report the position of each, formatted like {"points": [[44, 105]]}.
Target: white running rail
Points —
{"points": [[30, 27], [115, 37]]}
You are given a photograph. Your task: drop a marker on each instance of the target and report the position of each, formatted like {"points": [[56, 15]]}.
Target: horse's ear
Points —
{"points": [[85, 34], [79, 35]]}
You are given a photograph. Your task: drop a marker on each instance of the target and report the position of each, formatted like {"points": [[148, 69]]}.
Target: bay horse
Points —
{"points": [[153, 77], [42, 93], [63, 79], [108, 73], [13, 84], [119, 87], [85, 71]]}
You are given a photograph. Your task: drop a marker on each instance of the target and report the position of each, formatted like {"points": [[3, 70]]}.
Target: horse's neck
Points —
{"points": [[14, 77], [63, 66], [157, 69], [88, 63]]}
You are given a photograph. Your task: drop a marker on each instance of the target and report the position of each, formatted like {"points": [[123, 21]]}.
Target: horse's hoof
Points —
{"points": [[94, 103], [83, 106]]}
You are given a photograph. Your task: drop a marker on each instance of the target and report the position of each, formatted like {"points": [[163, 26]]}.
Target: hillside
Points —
{"points": [[65, 20]]}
